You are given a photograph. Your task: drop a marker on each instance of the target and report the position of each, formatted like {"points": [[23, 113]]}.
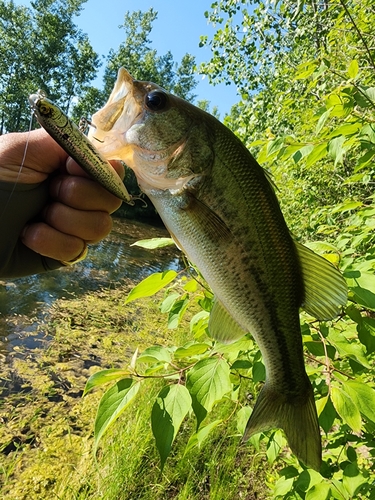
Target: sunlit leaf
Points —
{"points": [[322, 120], [353, 68], [155, 353], [151, 285], [346, 408], [320, 491], [353, 480], [170, 408], [208, 381], [103, 377], [154, 243], [363, 395], [112, 404], [191, 350]]}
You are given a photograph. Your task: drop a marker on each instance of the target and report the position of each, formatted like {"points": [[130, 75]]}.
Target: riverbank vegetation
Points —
{"points": [[47, 427]]}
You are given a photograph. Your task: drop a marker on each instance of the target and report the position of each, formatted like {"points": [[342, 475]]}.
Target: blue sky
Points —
{"points": [[177, 28]]}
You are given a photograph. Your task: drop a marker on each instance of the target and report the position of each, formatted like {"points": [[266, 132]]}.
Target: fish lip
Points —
{"points": [[122, 110]]}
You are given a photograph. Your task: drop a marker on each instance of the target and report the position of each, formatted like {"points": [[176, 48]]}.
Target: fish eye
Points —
{"points": [[156, 100]]}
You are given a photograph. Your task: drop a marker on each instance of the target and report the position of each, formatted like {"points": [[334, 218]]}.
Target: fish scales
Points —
{"points": [[256, 239], [221, 209]]}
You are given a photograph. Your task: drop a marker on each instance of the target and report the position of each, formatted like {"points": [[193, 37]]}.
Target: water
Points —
{"points": [[113, 261]]}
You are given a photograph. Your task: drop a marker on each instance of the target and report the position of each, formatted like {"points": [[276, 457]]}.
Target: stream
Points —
{"points": [[24, 301]]}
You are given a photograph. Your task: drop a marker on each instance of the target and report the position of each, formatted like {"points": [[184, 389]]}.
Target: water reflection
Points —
{"points": [[111, 261]]}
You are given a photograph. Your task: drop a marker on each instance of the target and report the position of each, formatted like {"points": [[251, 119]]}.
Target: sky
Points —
{"points": [[177, 28]]}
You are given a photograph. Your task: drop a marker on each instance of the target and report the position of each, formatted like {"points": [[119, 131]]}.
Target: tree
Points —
{"points": [[41, 48]]}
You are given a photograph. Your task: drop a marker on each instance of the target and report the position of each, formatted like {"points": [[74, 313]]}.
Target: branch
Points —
{"points": [[342, 2]]}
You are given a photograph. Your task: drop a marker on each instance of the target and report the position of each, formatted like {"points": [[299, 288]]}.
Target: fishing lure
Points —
{"points": [[77, 145]]}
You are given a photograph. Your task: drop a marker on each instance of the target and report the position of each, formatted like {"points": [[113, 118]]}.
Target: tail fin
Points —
{"points": [[298, 419]]}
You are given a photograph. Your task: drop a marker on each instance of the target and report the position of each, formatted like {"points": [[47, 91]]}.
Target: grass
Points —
{"points": [[47, 437]]}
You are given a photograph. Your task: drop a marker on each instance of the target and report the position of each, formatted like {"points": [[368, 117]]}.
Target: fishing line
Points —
{"points": [[21, 166]]}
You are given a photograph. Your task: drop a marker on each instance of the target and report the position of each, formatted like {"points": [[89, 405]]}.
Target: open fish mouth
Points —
{"points": [[123, 109]]}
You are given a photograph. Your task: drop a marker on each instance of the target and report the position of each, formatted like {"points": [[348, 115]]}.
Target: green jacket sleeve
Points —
{"points": [[20, 204]]}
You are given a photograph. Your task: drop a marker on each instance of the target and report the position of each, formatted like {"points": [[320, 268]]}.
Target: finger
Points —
{"points": [[91, 226], [36, 151], [83, 194], [50, 242]]}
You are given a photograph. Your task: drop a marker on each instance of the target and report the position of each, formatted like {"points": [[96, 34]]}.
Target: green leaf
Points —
{"points": [[170, 408], [353, 480], [177, 311], [341, 493], [353, 350], [112, 404], [168, 302], [259, 372], [346, 129], [275, 145], [320, 491], [155, 353], [151, 285], [362, 285], [191, 350], [208, 381], [326, 413], [197, 439], [364, 397], [154, 243], [318, 152], [308, 479], [276, 442], [103, 377], [282, 487], [335, 148], [322, 120], [346, 408], [366, 333], [346, 206], [353, 68], [199, 323], [243, 416], [304, 70]]}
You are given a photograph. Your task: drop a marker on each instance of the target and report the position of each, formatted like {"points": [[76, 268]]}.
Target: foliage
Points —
{"points": [[202, 374], [41, 48], [307, 109]]}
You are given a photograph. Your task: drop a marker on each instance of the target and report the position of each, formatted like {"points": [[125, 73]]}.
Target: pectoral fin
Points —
{"points": [[325, 287], [222, 326]]}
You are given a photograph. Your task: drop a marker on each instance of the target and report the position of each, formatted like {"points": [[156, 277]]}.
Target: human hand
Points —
{"points": [[79, 208]]}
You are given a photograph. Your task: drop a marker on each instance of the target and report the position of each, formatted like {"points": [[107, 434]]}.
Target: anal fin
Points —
{"points": [[222, 326]]}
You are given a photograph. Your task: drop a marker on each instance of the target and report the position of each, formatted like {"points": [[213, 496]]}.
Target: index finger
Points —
{"points": [[37, 153]]}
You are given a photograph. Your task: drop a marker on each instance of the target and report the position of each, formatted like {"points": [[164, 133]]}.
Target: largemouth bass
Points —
{"points": [[221, 209]]}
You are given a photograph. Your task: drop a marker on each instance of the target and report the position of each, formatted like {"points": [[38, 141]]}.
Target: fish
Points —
{"points": [[221, 209], [66, 133]]}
